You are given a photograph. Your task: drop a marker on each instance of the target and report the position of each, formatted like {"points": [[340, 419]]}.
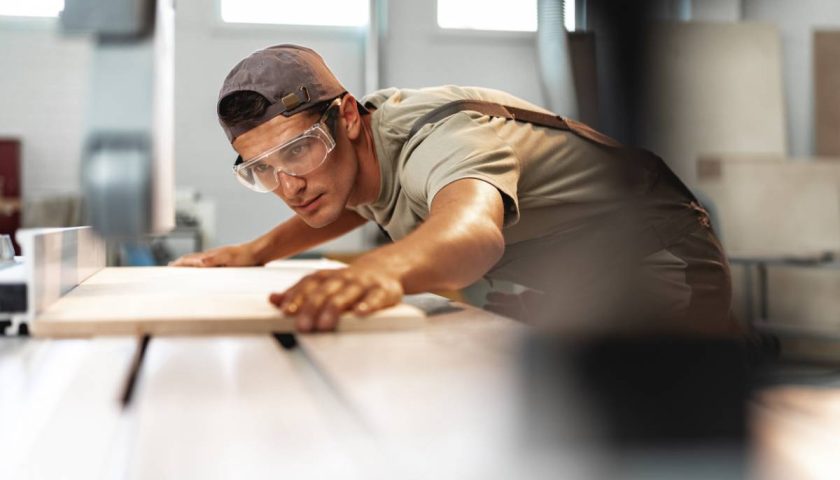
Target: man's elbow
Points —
{"points": [[487, 250], [496, 248]]}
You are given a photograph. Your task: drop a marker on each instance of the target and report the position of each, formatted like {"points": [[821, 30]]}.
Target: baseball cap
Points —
{"points": [[291, 77]]}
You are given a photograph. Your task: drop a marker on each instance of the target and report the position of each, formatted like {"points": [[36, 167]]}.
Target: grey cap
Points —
{"points": [[291, 77]]}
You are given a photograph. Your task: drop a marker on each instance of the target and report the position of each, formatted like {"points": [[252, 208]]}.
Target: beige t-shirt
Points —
{"points": [[553, 182]]}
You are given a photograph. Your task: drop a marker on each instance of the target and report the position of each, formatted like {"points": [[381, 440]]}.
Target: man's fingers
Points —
{"points": [[296, 294], [215, 260], [276, 298], [318, 300], [314, 302], [186, 261], [197, 260], [375, 299], [337, 304]]}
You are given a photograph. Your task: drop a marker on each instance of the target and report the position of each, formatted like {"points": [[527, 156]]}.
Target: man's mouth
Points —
{"points": [[309, 203]]}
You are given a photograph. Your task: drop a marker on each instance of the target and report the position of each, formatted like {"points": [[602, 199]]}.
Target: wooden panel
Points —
{"points": [[712, 88], [172, 300], [827, 92], [774, 208]]}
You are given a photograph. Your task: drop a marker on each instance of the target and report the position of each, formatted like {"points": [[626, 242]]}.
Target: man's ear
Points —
{"points": [[351, 117]]}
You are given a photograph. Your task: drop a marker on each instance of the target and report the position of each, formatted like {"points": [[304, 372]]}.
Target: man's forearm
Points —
{"points": [[294, 236], [459, 242]]}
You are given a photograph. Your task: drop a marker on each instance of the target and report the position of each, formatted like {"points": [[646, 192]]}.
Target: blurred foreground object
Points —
{"points": [[636, 406]]}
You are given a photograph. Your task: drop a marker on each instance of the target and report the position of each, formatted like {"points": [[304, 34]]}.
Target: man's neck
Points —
{"points": [[368, 178]]}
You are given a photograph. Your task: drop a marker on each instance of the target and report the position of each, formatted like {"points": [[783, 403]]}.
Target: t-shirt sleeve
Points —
{"points": [[464, 145]]}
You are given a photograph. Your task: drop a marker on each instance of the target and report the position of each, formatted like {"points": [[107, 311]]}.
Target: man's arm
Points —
{"points": [[459, 242], [290, 237]]}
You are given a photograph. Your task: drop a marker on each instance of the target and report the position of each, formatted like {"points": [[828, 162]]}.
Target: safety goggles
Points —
{"points": [[299, 156]]}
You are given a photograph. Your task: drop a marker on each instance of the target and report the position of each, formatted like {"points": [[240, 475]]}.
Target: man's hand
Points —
{"points": [[318, 299], [229, 256]]}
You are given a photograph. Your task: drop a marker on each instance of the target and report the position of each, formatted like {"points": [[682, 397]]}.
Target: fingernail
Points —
{"points": [[304, 323], [362, 307], [291, 308]]}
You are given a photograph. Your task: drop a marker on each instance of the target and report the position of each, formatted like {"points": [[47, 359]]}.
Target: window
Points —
{"points": [[569, 15], [511, 15], [342, 13], [31, 8]]}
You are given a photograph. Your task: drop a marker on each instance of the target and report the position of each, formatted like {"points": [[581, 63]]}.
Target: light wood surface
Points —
{"points": [[240, 407], [59, 407], [449, 391], [827, 92], [172, 301]]}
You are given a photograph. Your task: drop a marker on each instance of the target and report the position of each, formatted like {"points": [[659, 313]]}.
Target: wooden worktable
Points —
{"points": [[438, 401], [341, 405]]}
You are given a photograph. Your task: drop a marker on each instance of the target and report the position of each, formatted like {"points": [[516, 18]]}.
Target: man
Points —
{"points": [[593, 230]]}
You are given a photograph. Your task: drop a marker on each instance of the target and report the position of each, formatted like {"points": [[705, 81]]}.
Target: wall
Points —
{"points": [[418, 53], [43, 89], [716, 10]]}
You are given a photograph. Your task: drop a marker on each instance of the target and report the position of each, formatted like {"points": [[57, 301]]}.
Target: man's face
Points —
{"points": [[320, 196]]}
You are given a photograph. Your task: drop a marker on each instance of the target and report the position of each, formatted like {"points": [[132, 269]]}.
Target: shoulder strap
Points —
{"points": [[512, 113]]}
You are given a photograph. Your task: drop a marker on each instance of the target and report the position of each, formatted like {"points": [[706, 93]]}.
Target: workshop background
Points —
{"points": [[740, 97]]}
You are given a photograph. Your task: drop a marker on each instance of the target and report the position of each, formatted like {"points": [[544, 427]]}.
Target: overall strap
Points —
{"points": [[493, 109]]}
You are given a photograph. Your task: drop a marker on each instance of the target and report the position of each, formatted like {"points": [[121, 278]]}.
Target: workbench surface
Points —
{"points": [[443, 400]]}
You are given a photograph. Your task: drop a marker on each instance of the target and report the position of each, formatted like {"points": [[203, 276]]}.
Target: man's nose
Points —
{"points": [[290, 184]]}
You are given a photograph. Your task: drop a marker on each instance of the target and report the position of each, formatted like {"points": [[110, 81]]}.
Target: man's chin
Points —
{"points": [[319, 219]]}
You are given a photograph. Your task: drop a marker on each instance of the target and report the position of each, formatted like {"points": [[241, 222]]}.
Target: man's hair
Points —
{"points": [[246, 107], [242, 107]]}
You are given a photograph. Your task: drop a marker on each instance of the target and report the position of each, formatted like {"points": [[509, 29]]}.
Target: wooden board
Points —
{"points": [[712, 88], [827, 92], [173, 301]]}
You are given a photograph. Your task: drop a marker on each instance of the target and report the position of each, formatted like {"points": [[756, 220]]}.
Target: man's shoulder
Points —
{"points": [[408, 97], [397, 109], [401, 107]]}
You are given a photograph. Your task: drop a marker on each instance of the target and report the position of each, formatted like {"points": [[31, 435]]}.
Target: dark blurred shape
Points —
{"points": [[619, 26], [584, 71], [657, 406], [126, 19]]}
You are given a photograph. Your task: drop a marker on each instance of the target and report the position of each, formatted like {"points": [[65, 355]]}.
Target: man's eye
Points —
{"points": [[262, 168], [299, 150]]}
